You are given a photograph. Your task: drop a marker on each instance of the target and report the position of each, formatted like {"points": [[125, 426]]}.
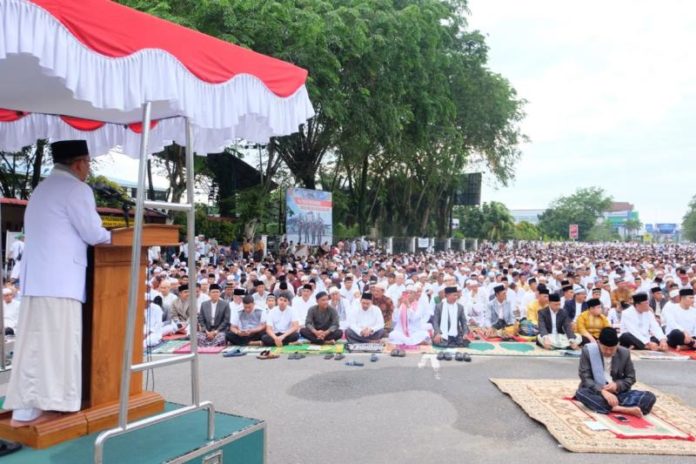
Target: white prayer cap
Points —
{"points": [[304, 278], [410, 288], [472, 282], [417, 287], [382, 285], [579, 289], [6, 291], [333, 290], [230, 278], [674, 293]]}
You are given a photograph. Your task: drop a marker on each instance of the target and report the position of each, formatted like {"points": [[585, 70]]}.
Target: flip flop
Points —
{"points": [[401, 354], [329, 356], [394, 353], [293, 356], [459, 357], [7, 447], [448, 356], [374, 357], [354, 363], [269, 355], [339, 356], [233, 354], [441, 356], [466, 357]]}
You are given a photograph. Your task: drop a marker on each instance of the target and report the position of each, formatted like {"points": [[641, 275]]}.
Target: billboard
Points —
{"points": [[573, 231], [666, 229], [309, 217]]}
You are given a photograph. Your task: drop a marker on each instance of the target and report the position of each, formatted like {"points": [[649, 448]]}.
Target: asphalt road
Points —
{"points": [[392, 411]]}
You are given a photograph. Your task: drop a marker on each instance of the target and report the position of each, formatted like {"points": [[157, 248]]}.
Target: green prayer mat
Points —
{"points": [[309, 349]]}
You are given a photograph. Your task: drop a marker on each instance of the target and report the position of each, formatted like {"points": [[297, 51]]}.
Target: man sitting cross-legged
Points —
{"points": [[321, 325], [681, 322], [213, 319], [555, 327], [366, 324], [639, 328], [606, 377], [282, 325], [449, 321], [247, 325]]}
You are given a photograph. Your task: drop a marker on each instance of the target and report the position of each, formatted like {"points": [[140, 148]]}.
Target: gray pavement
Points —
{"points": [[392, 411]]}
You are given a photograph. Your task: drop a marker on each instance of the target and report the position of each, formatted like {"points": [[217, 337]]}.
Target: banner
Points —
{"points": [[309, 219], [423, 242]]}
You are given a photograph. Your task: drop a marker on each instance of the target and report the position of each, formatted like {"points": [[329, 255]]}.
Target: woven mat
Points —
{"points": [[176, 337], [479, 348], [245, 349], [186, 348], [168, 347], [545, 400], [309, 349]]}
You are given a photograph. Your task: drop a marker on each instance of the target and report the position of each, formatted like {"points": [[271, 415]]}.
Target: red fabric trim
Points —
{"points": [[689, 353], [11, 115], [115, 30], [634, 437], [85, 125], [137, 127]]}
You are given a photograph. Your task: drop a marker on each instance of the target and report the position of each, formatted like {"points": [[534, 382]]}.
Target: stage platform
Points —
{"points": [[238, 440]]}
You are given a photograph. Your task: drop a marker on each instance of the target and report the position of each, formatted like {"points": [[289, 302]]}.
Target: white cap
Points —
{"points": [[579, 289], [674, 293], [333, 290], [6, 291]]}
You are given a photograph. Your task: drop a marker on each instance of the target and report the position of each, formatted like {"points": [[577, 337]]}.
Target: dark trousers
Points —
{"points": [[628, 340], [306, 333], [585, 341], [234, 339], [629, 399], [676, 338], [268, 341], [9, 331], [353, 337]]}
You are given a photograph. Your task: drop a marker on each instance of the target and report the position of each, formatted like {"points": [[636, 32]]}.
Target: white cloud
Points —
{"points": [[611, 89]]}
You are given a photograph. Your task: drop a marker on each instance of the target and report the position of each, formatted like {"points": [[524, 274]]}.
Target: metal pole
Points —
{"points": [[2, 306], [193, 275], [134, 285]]}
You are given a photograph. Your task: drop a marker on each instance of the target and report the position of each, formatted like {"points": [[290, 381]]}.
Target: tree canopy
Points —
{"points": [[403, 95], [689, 221], [584, 208]]}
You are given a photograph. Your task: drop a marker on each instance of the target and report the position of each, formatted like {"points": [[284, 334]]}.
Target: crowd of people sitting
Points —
{"points": [[561, 295]]}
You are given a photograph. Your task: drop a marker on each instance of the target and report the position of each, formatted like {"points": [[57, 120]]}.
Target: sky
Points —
{"points": [[611, 92]]}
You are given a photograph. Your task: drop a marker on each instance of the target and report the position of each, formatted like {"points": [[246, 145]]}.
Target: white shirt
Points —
{"points": [[281, 321], [641, 325], [370, 318], [301, 308], [11, 313], [554, 329], [682, 319]]}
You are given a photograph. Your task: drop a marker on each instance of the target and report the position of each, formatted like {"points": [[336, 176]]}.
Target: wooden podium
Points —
{"points": [[104, 328]]}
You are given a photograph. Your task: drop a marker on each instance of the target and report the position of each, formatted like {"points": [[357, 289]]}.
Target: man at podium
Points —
{"points": [[60, 222]]}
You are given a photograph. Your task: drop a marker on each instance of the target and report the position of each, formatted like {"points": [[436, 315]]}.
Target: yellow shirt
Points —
{"points": [[533, 311], [587, 323]]}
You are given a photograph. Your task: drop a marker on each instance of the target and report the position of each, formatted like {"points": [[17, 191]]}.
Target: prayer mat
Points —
{"points": [[176, 337], [245, 349], [690, 353], [659, 355], [309, 349], [506, 349], [168, 347], [409, 349], [186, 348], [667, 430]]}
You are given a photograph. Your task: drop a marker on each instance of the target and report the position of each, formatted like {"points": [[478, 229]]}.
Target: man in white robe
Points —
{"points": [[10, 311], [47, 367]]}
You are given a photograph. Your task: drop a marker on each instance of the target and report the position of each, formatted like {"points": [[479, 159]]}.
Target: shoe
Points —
{"points": [[339, 356], [7, 447], [441, 356], [466, 357], [448, 356], [394, 353], [329, 356], [233, 353], [354, 363], [401, 354], [459, 357], [374, 357]]}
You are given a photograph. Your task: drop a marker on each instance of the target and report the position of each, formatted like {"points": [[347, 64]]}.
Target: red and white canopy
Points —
{"points": [[84, 68]]}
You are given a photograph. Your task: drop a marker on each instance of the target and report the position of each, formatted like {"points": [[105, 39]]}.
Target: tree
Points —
{"points": [[491, 221], [689, 221], [20, 172], [602, 232], [583, 208], [631, 226], [527, 231]]}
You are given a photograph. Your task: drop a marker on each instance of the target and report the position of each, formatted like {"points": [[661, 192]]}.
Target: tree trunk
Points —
{"points": [[38, 162]]}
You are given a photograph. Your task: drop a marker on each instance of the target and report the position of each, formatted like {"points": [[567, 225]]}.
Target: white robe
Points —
{"points": [[417, 327]]}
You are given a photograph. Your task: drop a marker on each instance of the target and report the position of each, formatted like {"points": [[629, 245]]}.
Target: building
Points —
{"points": [[526, 215], [618, 214]]}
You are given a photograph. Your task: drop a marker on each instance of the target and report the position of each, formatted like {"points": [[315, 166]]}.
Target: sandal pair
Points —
{"points": [[296, 356]]}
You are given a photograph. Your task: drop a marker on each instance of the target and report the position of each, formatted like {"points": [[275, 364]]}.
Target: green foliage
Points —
{"points": [[689, 221], [584, 208], [492, 221], [104, 181], [527, 231], [602, 232], [222, 229], [402, 92]]}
